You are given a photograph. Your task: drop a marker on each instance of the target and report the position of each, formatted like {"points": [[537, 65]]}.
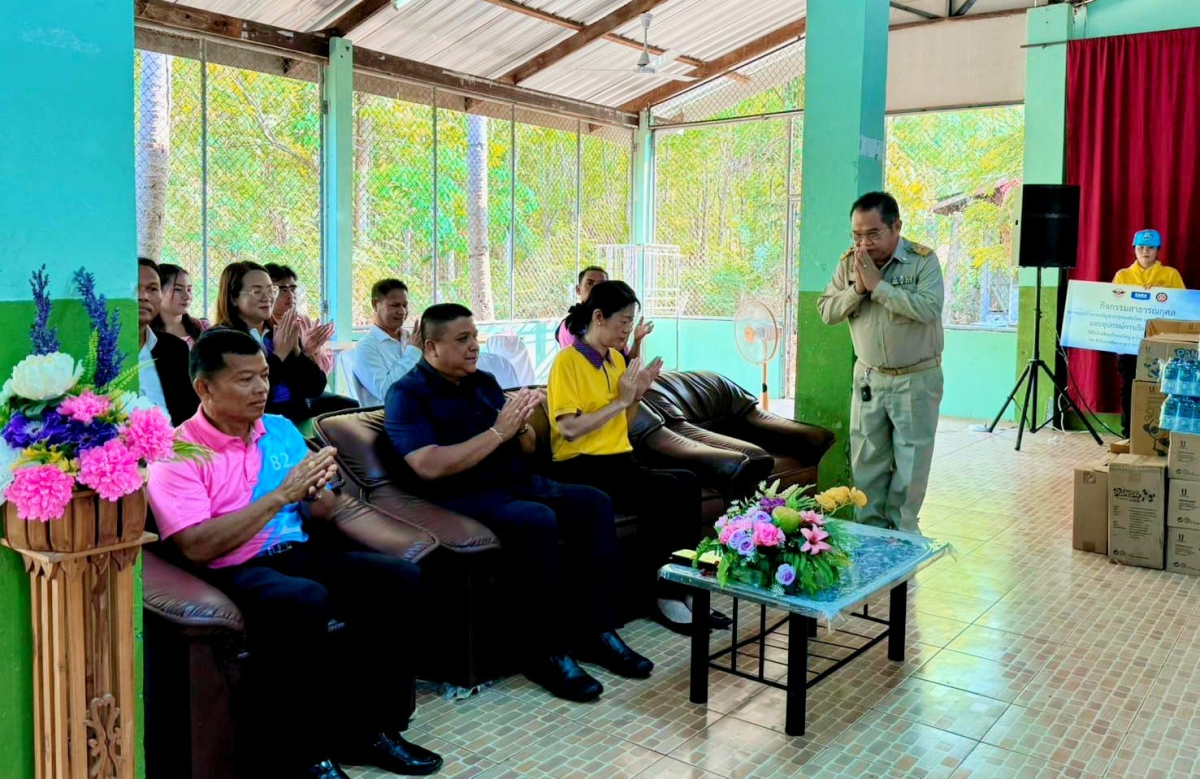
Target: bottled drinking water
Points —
{"points": [[1185, 418], [1169, 377], [1169, 418], [1189, 378]]}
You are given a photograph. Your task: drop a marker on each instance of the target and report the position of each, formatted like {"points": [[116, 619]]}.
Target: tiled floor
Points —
{"points": [[1026, 659]]}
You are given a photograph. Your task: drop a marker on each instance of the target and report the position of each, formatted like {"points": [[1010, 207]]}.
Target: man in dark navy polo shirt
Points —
{"points": [[466, 446]]}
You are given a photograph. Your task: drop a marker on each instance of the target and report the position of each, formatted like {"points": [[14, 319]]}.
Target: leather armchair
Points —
{"points": [[195, 647], [709, 408]]}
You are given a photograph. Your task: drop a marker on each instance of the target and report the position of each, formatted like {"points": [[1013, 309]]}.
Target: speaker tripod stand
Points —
{"points": [[1029, 377]]}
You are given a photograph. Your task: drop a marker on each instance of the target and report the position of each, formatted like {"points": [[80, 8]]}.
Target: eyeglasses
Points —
{"points": [[258, 292], [871, 236]]}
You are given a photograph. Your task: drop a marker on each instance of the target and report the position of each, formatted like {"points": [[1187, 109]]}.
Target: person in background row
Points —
{"points": [[163, 358], [386, 352], [891, 292], [588, 278], [465, 448], [244, 302], [594, 395], [240, 517], [314, 337], [1146, 271], [173, 317]]}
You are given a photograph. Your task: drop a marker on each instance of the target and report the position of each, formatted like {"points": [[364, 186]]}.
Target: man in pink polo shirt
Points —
{"points": [[239, 516], [588, 278]]}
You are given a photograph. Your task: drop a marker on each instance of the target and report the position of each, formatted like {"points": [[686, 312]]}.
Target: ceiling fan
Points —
{"points": [[647, 65]]}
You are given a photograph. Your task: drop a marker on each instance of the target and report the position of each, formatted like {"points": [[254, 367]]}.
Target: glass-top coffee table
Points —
{"points": [[881, 560]]}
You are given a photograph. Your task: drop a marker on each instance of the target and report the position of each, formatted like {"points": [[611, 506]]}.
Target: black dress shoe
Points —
{"points": [[718, 621], [326, 769], [563, 677], [391, 752], [610, 652]]}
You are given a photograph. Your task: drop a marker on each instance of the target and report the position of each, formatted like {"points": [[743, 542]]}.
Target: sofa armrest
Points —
{"points": [[453, 531], [380, 531], [185, 599], [778, 434], [717, 467]]}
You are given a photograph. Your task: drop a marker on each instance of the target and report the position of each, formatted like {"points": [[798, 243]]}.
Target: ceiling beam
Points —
{"points": [[355, 17], [163, 14], [915, 11], [588, 34], [570, 24], [965, 8], [788, 33], [961, 19]]}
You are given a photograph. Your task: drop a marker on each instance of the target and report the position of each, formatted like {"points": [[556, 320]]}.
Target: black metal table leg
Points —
{"points": [[797, 685], [700, 606], [897, 621]]}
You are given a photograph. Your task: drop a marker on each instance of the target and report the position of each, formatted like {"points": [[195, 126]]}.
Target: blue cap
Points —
{"points": [[1149, 238]]}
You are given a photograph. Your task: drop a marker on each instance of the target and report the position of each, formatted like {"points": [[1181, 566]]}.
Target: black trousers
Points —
{"points": [[1127, 368], [667, 502], [316, 690], [556, 540]]}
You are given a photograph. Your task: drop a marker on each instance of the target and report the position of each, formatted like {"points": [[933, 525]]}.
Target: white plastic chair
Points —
{"points": [[348, 381], [501, 368], [513, 349]]}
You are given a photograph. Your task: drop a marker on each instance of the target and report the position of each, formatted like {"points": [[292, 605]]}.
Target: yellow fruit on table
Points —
{"points": [[786, 519]]}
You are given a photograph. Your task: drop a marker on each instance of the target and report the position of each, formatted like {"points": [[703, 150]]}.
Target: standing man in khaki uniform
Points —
{"points": [[890, 289]]}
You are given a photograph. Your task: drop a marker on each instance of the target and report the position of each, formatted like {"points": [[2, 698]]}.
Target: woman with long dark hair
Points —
{"points": [[173, 317], [245, 302], [593, 395]]}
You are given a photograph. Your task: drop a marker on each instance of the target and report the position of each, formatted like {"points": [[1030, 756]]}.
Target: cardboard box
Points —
{"points": [[1166, 326], [1183, 459], [1145, 437], [1091, 509], [1183, 503], [1157, 349], [1183, 551], [1137, 509], [1120, 447]]}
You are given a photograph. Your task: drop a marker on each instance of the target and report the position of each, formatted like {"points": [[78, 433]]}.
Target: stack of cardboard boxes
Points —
{"points": [[1141, 504]]}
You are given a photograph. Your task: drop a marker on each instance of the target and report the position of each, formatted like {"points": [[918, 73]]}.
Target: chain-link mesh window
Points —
{"points": [[393, 191], [168, 156], [228, 150], [547, 244], [721, 197], [474, 175], [954, 174], [264, 166], [771, 84], [607, 170]]}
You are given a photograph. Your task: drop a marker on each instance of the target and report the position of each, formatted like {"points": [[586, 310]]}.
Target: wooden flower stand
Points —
{"points": [[81, 581]]}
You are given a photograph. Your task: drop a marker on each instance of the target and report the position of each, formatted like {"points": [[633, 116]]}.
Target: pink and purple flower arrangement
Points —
{"points": [[788, 542], [67, 425]]}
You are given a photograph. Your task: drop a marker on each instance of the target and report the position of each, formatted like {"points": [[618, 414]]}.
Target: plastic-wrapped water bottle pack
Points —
{"points": [[1179, 379]]}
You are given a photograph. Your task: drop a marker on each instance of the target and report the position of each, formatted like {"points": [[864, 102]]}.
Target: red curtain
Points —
{"points": [[1133, 146]]}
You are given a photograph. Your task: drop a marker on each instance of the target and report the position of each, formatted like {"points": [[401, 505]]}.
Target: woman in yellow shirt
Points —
{"points": [[593, 396], [1146, 271]]}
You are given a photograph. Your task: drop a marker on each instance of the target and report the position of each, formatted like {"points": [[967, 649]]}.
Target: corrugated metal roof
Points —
{"points": [[482, 39]]}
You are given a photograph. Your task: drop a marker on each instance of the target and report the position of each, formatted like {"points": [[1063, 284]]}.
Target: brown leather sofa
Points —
{"points": [[710, 409], [195, 649], [194, 635]]}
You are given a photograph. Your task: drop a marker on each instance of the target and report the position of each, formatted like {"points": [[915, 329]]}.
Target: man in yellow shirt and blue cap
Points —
{"points": [[1146, 271]]}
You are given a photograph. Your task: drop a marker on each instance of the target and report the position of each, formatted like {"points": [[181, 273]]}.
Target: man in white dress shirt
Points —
{"points": [[387, 352]]}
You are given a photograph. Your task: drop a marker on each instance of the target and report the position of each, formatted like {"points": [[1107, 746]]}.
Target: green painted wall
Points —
{"points": [[1129, 17], [978, 369], [845, 90], [66, 148]]}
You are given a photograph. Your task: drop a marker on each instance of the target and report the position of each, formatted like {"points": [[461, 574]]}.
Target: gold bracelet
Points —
{"points": [[497, 432]]}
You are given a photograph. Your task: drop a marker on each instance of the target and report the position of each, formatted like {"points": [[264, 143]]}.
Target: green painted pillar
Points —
{"points": [[1048, 30], [338, 183], [66, 150], [642, 198], [845, 90]]}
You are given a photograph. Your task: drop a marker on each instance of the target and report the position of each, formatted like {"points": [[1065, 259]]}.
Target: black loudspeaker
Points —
{"points": [[1049, 226]]}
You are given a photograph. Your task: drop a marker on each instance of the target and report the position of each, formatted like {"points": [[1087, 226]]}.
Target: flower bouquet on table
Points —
{"points": [[68, 425], [787, 542]]}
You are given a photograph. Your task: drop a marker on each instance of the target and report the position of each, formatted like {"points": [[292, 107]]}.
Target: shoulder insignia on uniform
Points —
{"points": [[919, 249], [848, 252]]}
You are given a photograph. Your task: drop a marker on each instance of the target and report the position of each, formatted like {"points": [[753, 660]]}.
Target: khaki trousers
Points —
{"points": [[891, 443]]}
